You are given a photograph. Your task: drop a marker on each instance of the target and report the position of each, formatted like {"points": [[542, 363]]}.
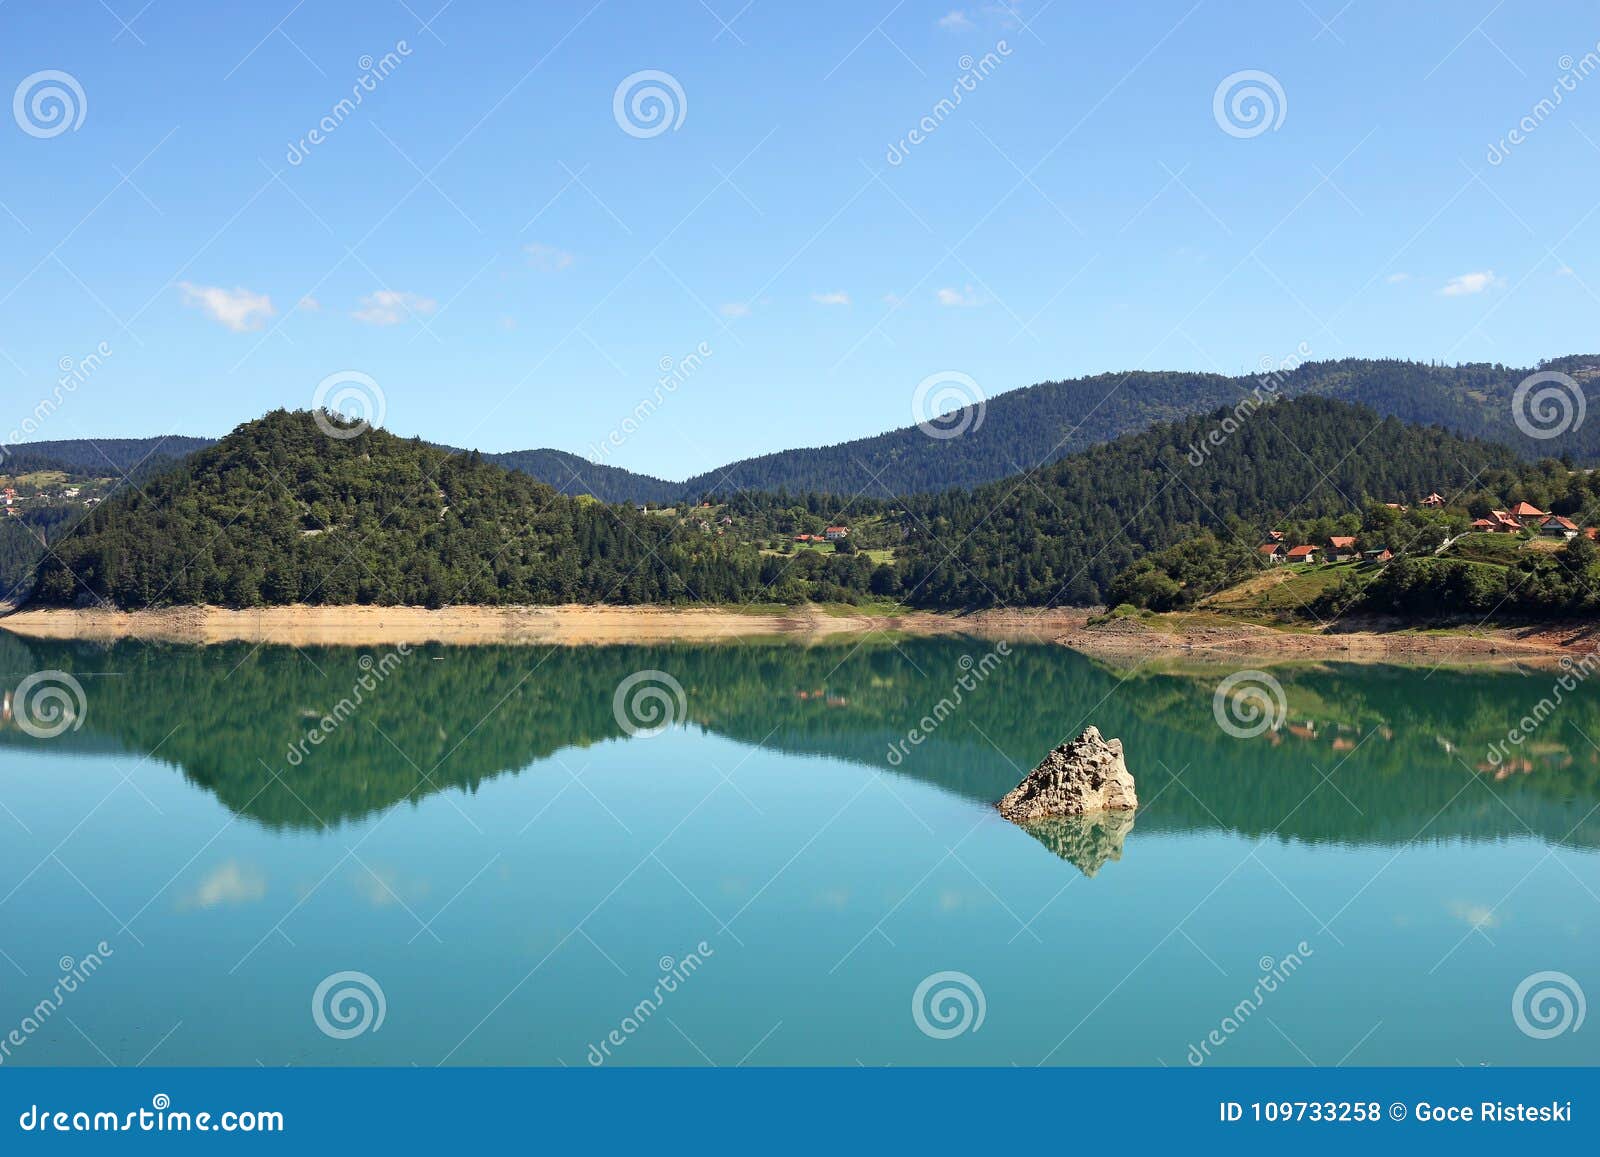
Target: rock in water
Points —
{"points": [[1086, 775]]}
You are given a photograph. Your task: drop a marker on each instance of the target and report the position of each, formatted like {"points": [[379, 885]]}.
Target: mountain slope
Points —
{"points": [[570, 474], [278, 512], [1060, 535], [1031, 427], [1020, 430], [100, 457]]}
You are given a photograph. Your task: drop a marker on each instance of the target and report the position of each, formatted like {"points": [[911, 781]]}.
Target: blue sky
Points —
{"points": [[483, 240]]}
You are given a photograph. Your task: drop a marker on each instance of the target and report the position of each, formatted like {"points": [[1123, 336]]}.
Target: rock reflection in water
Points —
{"points": [[1087, 842]]}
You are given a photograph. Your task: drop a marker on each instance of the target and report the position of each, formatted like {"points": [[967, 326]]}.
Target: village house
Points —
{"points": [[835, 533], [1341, 547], [1302, 554], [1557, 527], [1527, 514], [1274, 536], [1383, 555], [1435, 500], [1271, 551]]}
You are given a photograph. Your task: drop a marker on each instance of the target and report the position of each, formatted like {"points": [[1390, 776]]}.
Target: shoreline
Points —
{"points": [[565, 625], [1209, 639]]}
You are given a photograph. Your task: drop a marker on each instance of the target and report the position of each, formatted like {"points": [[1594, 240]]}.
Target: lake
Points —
{"points": [[493, 856]]}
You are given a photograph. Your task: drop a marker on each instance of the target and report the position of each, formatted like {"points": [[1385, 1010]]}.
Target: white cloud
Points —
{"points": [[834, 297], [966, 296], [229, 883], [1565, 270], [391, 307], [1469, 283], [238, 309], [892, 300], [735, 309], [955, 18], [308, 304], [547, 257], [1397, 278]]}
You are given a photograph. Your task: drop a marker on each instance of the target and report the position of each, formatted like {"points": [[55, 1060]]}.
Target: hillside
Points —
{"points": [[99, 456], [1022, 429], [1060, 535], [277, 512], [570, 474], [1027, 428]]}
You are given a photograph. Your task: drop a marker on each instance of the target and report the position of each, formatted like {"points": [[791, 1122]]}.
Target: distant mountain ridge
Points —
{"points": [[1020, 430]]}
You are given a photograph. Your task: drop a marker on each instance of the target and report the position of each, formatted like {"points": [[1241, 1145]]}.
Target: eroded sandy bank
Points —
{"points": [[565, 625]]}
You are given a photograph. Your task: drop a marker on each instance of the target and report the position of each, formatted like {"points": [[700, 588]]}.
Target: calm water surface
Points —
{"points": [[485, 841]]}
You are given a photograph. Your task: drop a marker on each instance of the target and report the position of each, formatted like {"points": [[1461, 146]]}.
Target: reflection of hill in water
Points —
{"points": [[453, 717]]}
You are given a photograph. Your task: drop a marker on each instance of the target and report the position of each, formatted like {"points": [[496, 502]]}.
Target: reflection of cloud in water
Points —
{"points": [[228, 883], [382, 887], [1477, 915]]}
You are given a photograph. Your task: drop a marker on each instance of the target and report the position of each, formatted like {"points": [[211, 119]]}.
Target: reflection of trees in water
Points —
{"points": [[1398, 746]]}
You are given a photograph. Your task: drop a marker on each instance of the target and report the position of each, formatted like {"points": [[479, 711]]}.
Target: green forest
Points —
{"points": [[280, 513], [1059, 536], [1020, 429]]}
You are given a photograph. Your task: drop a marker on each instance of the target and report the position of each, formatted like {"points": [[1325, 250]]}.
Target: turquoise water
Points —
{"points": [[485, 842]]}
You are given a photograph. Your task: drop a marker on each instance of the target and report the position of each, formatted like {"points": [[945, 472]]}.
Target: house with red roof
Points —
{"points": [[1527, 514], [1433, 500], [1302, 554], [1271, 551], [835, 533], [1341, 547], [1557, 527]]}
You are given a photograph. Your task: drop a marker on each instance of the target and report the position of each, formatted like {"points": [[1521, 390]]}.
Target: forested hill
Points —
{"points": [[100, 456], [1060, 535], [570, 474], [279, 512], [1028, 428], [1020, 430], [141, 457]]}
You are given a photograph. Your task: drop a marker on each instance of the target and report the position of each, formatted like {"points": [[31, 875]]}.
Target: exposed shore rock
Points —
{"points": [[1086, 775], [1088, 842]]}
